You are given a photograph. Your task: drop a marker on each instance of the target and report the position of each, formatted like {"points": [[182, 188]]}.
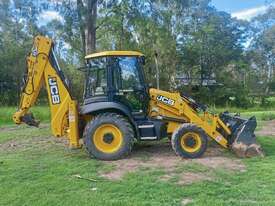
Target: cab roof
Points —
{"points": [[113, 53]]}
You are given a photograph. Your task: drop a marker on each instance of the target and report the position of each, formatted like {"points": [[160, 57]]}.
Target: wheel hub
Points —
{"points": [[108, 138], [190, 142]]}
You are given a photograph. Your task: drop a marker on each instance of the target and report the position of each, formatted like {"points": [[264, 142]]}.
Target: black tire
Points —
{"points": [[119, 122], [179, 134]]}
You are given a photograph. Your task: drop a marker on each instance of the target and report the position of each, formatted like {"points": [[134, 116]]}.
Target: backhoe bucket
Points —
{"points": [[242, 140], [30, 120]]}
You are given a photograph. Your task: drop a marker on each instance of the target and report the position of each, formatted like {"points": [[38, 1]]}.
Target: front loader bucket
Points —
{"points": [[243, 140]]}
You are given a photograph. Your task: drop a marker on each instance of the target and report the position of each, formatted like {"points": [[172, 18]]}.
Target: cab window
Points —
{"points": [[126, 73], [96, 77]]}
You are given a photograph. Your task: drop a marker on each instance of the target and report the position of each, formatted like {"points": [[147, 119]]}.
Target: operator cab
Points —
{"points": [[117, 76]]}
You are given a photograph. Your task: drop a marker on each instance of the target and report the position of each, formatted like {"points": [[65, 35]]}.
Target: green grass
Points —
{"points": [[34, 172], [41, 173], [11, 133], [262, 114], [241, 110], [41, 113]]}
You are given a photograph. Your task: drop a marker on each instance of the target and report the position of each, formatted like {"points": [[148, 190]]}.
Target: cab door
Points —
{"points": [[128, 84]]}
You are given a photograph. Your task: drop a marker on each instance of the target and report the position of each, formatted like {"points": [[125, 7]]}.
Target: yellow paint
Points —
{"points": [[181, 111], [113, 53], [197, 142], [114, 144], [172, 126], [64, 115]]}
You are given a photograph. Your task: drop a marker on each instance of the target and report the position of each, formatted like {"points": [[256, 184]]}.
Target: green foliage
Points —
{"points": [[193, 41], [16, 25]]}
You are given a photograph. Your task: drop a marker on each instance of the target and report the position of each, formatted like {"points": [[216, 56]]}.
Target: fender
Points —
{"points": [[97, 106]]}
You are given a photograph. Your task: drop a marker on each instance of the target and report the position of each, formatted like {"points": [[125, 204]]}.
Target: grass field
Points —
{"points": [[40, 112], [37, 169]]}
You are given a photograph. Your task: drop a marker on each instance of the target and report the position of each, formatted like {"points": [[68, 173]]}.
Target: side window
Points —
{"points": [[129, 72], [97, 78]]}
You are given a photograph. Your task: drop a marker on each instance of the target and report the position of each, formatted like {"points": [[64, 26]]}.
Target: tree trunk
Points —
{"points": [[87, 14], [90, 32], [80, 12]]}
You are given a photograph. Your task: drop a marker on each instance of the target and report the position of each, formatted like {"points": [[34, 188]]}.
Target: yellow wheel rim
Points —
{"points": [[107, 138], [191, 142]]}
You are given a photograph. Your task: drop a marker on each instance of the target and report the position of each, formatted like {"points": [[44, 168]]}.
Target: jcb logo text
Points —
{"points": [[166, 100], [54, 90]]}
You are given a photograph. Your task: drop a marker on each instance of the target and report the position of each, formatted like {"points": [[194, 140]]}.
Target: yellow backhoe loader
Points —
{"points": [[119, 108]]}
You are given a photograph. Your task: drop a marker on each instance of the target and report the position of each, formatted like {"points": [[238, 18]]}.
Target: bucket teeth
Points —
{"points": [[242, 140]]}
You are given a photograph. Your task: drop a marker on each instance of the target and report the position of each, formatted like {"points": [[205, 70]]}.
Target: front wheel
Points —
{"points": [[189, 141], [109, 136]]}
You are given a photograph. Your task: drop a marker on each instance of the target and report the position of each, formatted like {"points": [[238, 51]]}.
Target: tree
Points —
{"points": [[261, 53], [87, 15], [17, 22]]}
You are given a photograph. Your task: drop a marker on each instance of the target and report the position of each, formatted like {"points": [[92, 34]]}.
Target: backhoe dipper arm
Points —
{"points": [[43, 69]]}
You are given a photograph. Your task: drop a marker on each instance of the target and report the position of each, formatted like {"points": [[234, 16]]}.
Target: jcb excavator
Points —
{"points": [[119, 108]]}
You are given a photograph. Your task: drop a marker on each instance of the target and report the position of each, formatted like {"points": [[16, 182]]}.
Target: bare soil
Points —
{"points": [[186, 201], [149, 156], [268, 129], [16, 127], [188, 178], [161, 156], [40, 142]]}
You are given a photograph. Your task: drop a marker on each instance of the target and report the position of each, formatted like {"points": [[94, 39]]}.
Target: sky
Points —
{"points": [[242, 9]]}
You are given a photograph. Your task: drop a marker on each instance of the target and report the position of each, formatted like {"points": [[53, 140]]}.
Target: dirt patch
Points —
{"points": [[7, 129], [161, 156], [188, 178], [41, 142], [23, 126], [186, 201], [268, 129], [144, 156], [167, 177], [221, 163]]}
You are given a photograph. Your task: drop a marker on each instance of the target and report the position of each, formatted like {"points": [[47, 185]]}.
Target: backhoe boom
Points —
{"points": [[43, 69]]}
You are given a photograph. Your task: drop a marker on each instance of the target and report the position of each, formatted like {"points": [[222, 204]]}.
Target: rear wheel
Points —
{"points": [[189, 141], [109, 137]]}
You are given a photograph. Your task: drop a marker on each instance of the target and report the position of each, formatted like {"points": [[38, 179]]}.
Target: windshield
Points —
{"points": [[126, 72]]}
